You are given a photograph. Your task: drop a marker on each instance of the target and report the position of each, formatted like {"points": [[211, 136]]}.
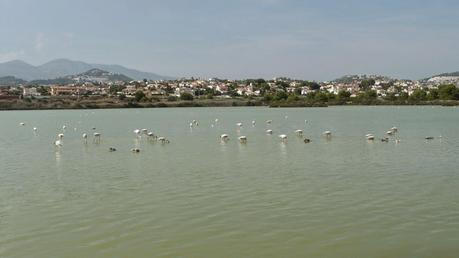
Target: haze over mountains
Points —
{"points": [[63, 67]]}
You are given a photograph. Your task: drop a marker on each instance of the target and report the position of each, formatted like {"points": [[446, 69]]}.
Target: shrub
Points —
{"points": [[186, 96]]}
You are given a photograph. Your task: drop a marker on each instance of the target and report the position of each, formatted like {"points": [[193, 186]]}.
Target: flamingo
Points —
{"points": [[224, 137], [269, 131], [283, 137], [327, 133], [163, 140], [242, 139], [58, 143], [299, 132], [96, 137], [85, 137]]}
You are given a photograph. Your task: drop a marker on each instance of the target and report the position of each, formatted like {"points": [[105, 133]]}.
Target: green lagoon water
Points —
{"points": [[197, 197]]}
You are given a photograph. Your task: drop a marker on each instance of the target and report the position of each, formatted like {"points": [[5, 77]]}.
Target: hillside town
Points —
{"points": [[218, 88]]}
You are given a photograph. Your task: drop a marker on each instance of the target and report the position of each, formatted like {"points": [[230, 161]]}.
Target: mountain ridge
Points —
{"points": [[63, 67]]}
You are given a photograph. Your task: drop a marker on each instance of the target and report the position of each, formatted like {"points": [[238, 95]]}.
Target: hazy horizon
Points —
{"points": [[316, 40]]}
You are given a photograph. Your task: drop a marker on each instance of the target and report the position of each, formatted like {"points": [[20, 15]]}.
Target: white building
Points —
{"points": [[30, 92]]}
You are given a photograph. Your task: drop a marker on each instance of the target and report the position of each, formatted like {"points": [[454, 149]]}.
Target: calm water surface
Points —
{"points": [[197, 197]]}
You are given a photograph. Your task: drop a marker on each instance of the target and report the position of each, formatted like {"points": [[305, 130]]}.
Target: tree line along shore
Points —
{"points": [[275, 101]]}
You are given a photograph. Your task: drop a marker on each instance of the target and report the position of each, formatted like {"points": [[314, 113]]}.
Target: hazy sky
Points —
{"points": [[317, 40]]}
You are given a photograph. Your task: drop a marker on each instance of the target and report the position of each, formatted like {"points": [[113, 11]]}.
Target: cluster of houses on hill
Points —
{"points": [[227, 88]]}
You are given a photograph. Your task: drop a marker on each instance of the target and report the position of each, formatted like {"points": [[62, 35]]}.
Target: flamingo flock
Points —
{"points": [[391, 134]]}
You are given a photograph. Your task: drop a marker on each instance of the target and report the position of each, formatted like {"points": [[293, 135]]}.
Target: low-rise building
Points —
{"points": [[30, 92]]}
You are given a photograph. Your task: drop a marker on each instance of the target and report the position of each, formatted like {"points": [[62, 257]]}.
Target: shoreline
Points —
{"points": [[110, 103]]}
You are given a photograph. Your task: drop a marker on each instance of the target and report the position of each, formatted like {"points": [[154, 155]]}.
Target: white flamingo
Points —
{"points": [[269, 131], [242, 139], [224, 137], [96, 137], [163, 140], [327, 133]]}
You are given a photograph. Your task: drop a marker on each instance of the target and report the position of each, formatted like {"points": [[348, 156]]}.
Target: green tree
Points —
{"points": [[448, 92], [172, 98], [116, 88], [403, 96], [418, 95], [293, 98], [366, 84], [139, 95], [44, 91], [280, 95], [186, 96], [321, 97], [371, 94], [344, 95], [311, 85], [433, 94]]}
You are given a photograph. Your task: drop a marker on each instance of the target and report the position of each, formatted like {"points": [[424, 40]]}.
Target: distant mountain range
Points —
{"points": [[11, 81], [454, 74], [93, 75], [63, 67], [351, 78]]}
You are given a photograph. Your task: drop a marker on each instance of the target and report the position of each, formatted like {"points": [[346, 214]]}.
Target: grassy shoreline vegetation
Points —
{"points": [[290, 102]]}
